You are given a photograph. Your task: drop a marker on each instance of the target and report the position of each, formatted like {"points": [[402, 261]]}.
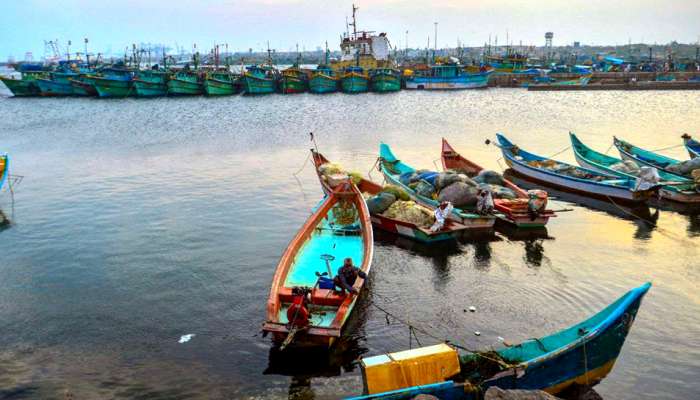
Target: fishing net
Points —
{"points": [[478, 367], [423, 188], [459, 194], [409, 211], [684, 167], [379, 203], [396, 191], [627, 167], [345, 212], [490, 177]]}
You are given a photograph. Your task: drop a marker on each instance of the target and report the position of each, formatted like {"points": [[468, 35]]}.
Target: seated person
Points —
{"points": [[347, 275]]}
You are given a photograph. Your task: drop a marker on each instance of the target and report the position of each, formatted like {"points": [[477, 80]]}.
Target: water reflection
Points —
{"points": [[4, 221], [693, 225]]}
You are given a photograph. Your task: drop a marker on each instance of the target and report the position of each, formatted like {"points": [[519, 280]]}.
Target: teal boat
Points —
{"points": [[692, 145], [393, 168], [4, 168], [114, 82], [151, 83], [57, 84], [26, 86], [323, 80], [583, 355], [259, 79], [220, 83], [303, 309], [354, 80], [648, 158], [385, 80], [185, 83], [591, 159], [83, 85]]}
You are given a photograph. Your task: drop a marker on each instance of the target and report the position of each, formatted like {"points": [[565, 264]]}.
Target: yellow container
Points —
{"points": [[409, 368]]}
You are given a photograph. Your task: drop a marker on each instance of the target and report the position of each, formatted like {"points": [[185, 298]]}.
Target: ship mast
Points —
{"points": [[354, 21]]}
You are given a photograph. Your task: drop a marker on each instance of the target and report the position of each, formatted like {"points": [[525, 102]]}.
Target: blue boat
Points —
{"points": [[57, 84], [393, 168], [4, 168], [447, 77], [583, 354], [591, 159], [648, 158], [571, 178], [692, 145]]}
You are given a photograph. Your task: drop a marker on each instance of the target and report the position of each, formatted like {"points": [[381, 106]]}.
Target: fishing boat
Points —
{"points": [[385, 80], [259, 79], [83, 85], [293, 80], [692, 145], [354, 80], [114, 81], [588, 158], [364, 49], [446, 77], [451, 230], [571, 178], [581, 355], [392, 168], [220, 83], [4, 168], [647, 158], [515, 211], [323, 80], [26, 86], [151, 83], [185, 82], [56, 84], [303, 308]]}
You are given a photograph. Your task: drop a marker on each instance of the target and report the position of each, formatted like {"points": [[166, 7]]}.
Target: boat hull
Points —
{"points": [[323, 84], [386, 83], [255, 85], [49, 87], [83, 88], [21, 87], [113, 88], [150, 89], [179, 87], [214, 87], [354, 84], [4, 168], [476, 81], [290, 85]]}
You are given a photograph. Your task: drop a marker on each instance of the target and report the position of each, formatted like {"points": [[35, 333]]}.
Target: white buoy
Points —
{"points": [[186, 338]]}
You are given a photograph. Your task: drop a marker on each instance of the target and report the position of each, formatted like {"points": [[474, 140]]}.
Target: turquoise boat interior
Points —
{"points": [[645, 155]]}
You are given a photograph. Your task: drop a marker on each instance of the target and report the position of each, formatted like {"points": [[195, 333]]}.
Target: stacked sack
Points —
{"points": [[685, 168], [627, 167], [393, 202]]}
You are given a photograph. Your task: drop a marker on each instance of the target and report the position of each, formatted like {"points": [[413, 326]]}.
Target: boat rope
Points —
{"points": [[610, 147], [585, 363], [560, 151], [375, 165], [413, 329], [303, 165], [670, 147]]}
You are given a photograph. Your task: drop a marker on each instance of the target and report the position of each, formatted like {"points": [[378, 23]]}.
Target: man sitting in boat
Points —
{"points": [[347, 275], [441, 213]]}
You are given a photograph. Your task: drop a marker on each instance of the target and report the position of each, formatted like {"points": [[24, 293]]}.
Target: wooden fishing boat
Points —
{"points": [[57, 84], [581, 355], [259, 79], [26, 86], [220, 83], [692, 145], [114, 82], [591, 159], [294, 80], [513, 211], [385, 80], [4, 168], [303, 309], [392, 168], [185, 83], [323, 80], [151, 83], [451, 230], [646, 158], [83, 85], [571, 178], [354, 80], [447, 77]]}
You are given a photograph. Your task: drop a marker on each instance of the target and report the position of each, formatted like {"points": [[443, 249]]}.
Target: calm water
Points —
{"points": [[139, 221]]}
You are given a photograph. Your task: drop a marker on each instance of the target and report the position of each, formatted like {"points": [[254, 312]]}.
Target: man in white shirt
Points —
{"points": [[441, 214]]}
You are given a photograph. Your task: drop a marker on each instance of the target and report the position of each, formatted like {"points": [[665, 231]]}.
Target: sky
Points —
{"points": [[243, 24]]}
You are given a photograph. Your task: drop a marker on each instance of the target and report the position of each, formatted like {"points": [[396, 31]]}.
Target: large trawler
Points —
{"points": [[363, 49]]}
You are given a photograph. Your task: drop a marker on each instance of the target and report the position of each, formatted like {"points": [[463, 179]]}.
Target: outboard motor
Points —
{"points": [[298, 313], [537, 202]]}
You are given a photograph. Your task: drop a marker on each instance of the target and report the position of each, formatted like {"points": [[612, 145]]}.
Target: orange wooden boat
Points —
{"points": [[451, 230], [514, 211], [303, 309]]}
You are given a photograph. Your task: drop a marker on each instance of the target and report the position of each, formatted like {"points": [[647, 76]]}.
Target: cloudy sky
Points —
{"points": [[112, 25]]}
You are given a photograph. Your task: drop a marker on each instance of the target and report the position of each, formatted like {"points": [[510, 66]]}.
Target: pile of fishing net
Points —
{"points": [[409, 211], [477, 367], [685, 168], [564, 169], [627, 167], [334, 174], [383, 200]]}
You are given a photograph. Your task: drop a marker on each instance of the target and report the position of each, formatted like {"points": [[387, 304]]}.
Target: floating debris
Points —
{"points": [[186, 338]]}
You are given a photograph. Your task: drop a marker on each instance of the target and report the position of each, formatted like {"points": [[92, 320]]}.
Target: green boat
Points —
{"points": [[259, 79], [57, 84], [114, 82], [294, 80], [151, 83], [354, 80], [323, 80], [25, 86], [185, 82], [385, 80], [83, 85], [220, 83]]}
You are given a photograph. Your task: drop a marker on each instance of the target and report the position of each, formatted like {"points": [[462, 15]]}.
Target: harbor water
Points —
{"points": [[139, 221]]}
